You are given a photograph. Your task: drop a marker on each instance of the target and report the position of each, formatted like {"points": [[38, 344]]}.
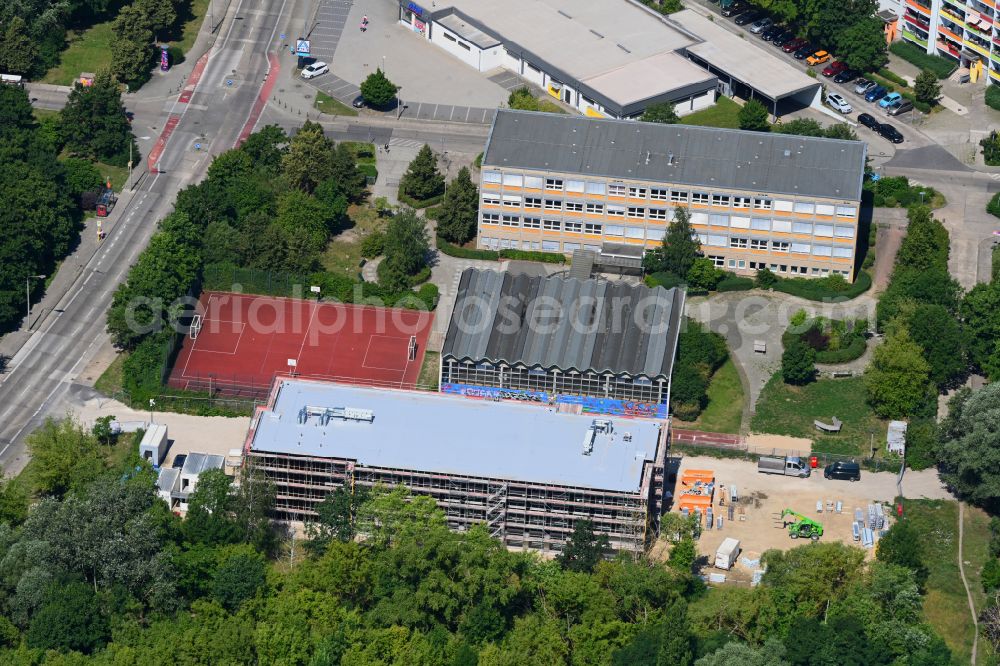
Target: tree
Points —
{"points": [[422, 179], [863, 44], [703, 274], [523, 99], [17, 49], [132, 46], [102, 429], [309, 159], [991, 148], [939, 335], [683, 555], [64, 456], [800, 127], [926, 87], [840, 131], [240, 575], [903, 545], [94, 123], [679, 249], [969, 453], [70, 619], [735, 653], [81, 176], [336, 517], [407, 249], [675, 646], [584, 548], [897, 377], [459, 211], [754, 116], [663, 112], [798, 363], [159, 15], [346, 173], [765, 279], [378, 90]]}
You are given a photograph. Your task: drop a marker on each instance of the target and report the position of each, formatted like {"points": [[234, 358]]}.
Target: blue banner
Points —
{"points": [[590, 404]]}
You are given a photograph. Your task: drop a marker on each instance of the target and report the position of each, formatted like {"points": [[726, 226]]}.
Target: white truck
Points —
{"points": [[787, 465], [725, 556]]}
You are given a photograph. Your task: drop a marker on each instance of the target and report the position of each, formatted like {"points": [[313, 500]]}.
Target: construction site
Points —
{"points": [[527, 472]]}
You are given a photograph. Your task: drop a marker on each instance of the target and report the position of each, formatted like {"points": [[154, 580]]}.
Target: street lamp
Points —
{"points": [[152, 403], [27, 295]]}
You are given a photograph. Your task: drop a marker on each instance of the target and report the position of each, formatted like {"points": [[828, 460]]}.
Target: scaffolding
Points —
{"points": [[523, 515]]}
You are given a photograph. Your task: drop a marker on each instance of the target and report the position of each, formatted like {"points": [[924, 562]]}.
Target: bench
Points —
{"points": [[829, 427], [759, 347]]}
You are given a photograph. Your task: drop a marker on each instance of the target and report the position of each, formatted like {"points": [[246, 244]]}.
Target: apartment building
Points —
{"points": [[560, 183], [965, 32]]}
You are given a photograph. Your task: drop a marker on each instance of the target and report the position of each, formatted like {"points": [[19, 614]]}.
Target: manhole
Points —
{"points": [[281, 90], [307, 96]]}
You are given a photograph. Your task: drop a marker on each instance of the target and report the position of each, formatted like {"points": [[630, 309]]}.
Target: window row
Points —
{"points": [[785, 268], [572, 227], [767, 224], [740, 243], [545, 245]]}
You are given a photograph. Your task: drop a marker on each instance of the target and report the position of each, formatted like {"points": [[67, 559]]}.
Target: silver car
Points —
{"points": [[863, 86], [761, 25]]}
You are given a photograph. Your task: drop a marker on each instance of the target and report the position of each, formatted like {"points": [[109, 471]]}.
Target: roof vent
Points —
{"points": [[788, 153], [647, 157], [597, 33], [564, 13], [670, 159], [624, 49]]}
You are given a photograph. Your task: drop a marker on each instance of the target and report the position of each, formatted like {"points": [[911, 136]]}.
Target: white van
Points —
{"points": [[12, 80]]}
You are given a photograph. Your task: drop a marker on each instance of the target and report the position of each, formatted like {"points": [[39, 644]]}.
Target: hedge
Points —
{"points": [[464, 252], [735, 284], [416, 203], [369, 170], [993, 96], [851, 352], [993, 207], [821, 289], [534, 255], [995, 264], [942, 67], [663, 279]]}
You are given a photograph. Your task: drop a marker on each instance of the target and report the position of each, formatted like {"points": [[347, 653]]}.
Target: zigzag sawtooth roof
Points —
{"points": [[564, 323]]}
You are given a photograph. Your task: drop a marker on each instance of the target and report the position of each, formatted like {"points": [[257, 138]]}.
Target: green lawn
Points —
{"points": [[110, 381], [86, 51], [191, 26], [118, 175], [790, 410], [945, 605], [429, 371], [725, 113], [343, 253], [328, 105], [549, 106], [724, 411]]}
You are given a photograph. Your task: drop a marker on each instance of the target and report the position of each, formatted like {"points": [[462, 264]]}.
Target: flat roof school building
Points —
{"points": [[527, 473], [563, 183], [583, 345], [612, 58]]}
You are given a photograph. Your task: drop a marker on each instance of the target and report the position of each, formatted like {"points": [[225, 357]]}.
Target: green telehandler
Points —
{"points": [[801, 527]]}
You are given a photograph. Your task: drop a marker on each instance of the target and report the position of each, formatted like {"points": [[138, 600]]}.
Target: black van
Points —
{"points": [[845, 471]]}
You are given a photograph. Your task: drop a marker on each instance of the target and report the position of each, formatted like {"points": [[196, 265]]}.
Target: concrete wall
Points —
{"points": [[456, 46]]}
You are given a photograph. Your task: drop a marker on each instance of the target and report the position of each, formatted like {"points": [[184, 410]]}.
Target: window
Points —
{"points": [[616, 190], [716, 241], [718, 262], [718, 220], [574, 186], [614, 210], [634, 232], [846, 211], [595, 188], [574, 206], [513, 180], [842, 252], [805, 208], [822, 250], [655, 234], [825, 230], [801, 248], [592, 228], [637, 212], [739, 222], [553, 184], [780, 205], [553, 204], [532, 223], [490, 200], [658, 193], [511, 221], [802, 227], [732, 263], [491, 177], [511, 201], [572, 227], [614, 230], [595, 208], [657, 213], [449, 37], [551, 225], [761, 224], [532, 202], [741, 202], [844, 232], [678, 196], [699, 198], [764, 204], [779, 246], [824, 209], [491, 218], [783, 226], [720, 200], [534, 182], [550, 246], [738, 242], [637, 192], [756, 244], [569, 247]]}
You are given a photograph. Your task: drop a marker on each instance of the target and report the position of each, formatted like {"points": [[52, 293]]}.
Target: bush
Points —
{"points": [[735, 283], [663, 279], [465, 252], [420, 203], [941, 66], [993, 207], [892, 76], [993, 96], [991, 148], [819, 289], [373, 244], [853, 351], [534, 255], [371, 173], [765, 279]]}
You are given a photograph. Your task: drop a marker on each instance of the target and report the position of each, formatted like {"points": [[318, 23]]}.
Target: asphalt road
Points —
{"points": [[41, 374]]}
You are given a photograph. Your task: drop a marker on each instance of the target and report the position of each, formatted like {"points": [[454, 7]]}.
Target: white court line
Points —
{"points": [[364, 362], [305, 335]]}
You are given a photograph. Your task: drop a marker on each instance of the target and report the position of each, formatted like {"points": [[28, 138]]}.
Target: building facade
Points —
{"points": [[787, 203], [964, 32]]}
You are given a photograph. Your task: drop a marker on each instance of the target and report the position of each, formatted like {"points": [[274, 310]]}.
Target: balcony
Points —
{"points": [[947, 48], [953, 17], [911, 36], [945, 32], [977, 48], [919, 22], [923, 9]]}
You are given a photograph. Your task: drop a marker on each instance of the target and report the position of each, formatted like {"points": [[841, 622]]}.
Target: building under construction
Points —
{"points": [[527, 472]]}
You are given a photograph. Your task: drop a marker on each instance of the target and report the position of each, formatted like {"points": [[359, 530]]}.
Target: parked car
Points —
{"points": [[839, 103], [890, 133], [844, 471], [835, 68], [818, 58], [314, 70], [734, 9], [863, 86], [783, 38], [772, 33], [358, 102], [846, 76], [889, 100], [748, 17], [804, 52], [761, 25], [901, 107], [869, 121], [876, 93], [179, 460], [793, 45]]}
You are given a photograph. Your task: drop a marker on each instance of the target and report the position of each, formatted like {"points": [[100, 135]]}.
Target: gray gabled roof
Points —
{"points": [[709, 157], [564, 323]]}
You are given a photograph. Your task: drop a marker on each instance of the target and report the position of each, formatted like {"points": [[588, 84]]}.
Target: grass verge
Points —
{"points": [[343, 254], [332, 107], [112, 379], [118, 175], [86, 51], [725, 113], [429, 371], [783, 409], [191, 26], [724, 411]]}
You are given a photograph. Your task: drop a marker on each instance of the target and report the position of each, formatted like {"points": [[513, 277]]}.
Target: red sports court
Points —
{"points": [[239, 342]]}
